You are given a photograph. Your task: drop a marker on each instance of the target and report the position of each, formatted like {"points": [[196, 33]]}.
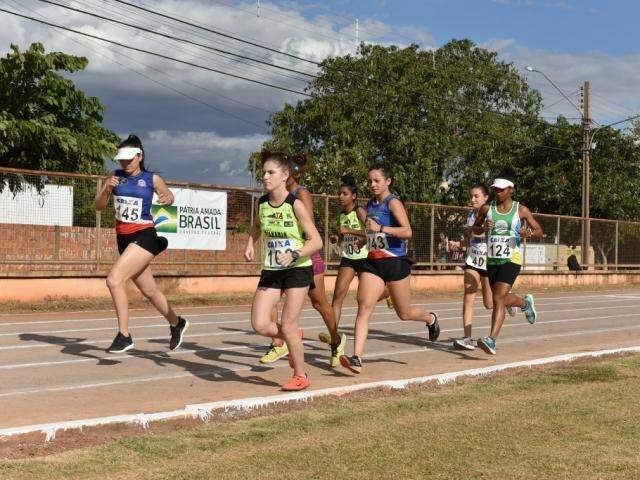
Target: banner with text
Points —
{"points": [[50, 205], [197, 220]]}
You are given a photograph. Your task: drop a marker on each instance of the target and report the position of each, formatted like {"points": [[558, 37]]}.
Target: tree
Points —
{"points": [[550, 177], [46, 123], [456, 114], [550, 180]]}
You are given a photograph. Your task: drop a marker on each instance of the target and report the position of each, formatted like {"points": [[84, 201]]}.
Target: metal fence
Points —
{"points": [[87, 245]]}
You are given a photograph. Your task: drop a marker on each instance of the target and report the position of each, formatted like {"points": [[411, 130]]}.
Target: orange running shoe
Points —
{"points": [[297, 382]]}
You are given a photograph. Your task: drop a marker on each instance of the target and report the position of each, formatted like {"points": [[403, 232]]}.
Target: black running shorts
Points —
{"points": [[505, 273], [296, 277], [147, 239], [390, 269], [357, 265]]}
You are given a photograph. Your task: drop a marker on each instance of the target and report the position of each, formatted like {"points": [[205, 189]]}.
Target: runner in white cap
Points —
{"points": [[505, 222], [138, 243]]}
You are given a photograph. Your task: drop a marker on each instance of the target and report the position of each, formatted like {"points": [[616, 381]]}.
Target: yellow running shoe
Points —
{"points": [[338, 351], [325, 337], [389, 301], [275, 353]]}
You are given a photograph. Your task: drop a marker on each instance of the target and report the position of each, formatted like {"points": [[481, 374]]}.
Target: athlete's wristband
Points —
{"points": [[295, 254], [381, 228]]}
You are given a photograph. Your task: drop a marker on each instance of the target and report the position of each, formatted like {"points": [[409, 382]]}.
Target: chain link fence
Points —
{"points": [[77, 240]]}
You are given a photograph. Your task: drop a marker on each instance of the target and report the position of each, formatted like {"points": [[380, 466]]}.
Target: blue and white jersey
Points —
{"points": [[132, 199], [384, 245]]}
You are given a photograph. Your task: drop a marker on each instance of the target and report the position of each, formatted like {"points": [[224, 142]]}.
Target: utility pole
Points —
{"points": [[357, 33], [586, 147]]}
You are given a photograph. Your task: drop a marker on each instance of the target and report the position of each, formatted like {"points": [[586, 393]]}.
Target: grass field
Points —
{"points": [[572, 422]]}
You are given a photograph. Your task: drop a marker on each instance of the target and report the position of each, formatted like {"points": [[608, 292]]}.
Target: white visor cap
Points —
{"points": [[502, 183], [127, 153]]}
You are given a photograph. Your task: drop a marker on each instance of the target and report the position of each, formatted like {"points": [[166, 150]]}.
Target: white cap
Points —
{"points": [[127, 153], [502, 183]]}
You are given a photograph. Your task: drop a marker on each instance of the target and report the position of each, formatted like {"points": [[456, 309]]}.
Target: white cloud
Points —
{"points": [[498, 44], [199, 141], [201, 156], [615, 93]]}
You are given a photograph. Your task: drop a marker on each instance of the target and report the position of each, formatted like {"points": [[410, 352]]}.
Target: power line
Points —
{"points": [[123, 11], [187, 48], [315, 31], [560, 100], [177, 39], [170, 17], [188, 29], [159, 55], [217, 32], [622, 107], [199, 66], [169, 87]]}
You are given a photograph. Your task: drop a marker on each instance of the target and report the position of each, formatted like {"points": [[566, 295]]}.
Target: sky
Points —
{"points": [[201, 126]]}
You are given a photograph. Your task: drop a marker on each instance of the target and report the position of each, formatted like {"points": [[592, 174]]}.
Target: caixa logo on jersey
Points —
{"points": [[279, 244]]}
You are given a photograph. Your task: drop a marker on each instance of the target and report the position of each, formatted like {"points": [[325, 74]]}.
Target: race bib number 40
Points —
{"points": [[275, 247], [377, 241], [500, 247], [128, 209], [477, 256]]}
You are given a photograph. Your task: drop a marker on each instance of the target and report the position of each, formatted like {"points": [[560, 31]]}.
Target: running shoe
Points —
{"points": [[488, 344], [177, 333], [120, 344], [390, 304], [297, 382], [337, 351], [325, 337], [529, 309], [352, 363], [512, 311], [275, 353], [434, 328], [464, 343]]}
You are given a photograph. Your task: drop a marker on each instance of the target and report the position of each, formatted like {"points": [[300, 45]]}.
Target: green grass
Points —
{"points": [[570, 422]]}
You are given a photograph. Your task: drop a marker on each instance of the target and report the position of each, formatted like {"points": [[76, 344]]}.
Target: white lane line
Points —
{"points": [[222, 372], [307, 328], [247, 305], [541, 301], [205, 411], [241, 331], [169, 355], [383, 312]]}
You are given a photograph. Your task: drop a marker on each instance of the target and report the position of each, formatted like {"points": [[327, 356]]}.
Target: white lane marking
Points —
{"points": [[542, 301], [168, 355], [205, 411], [240, 331], [384, 312]]}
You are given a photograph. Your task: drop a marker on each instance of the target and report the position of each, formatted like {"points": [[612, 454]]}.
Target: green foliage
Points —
{"points": [[45, 122], [433, 115], [456, 115]]}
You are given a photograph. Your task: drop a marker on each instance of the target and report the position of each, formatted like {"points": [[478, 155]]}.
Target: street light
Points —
{"points": [[534, 70], [586, 147]]}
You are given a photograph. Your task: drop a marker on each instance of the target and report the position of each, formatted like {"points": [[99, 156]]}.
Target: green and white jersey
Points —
{"points": [[281, 232], [352, 246], [503, 241]]}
